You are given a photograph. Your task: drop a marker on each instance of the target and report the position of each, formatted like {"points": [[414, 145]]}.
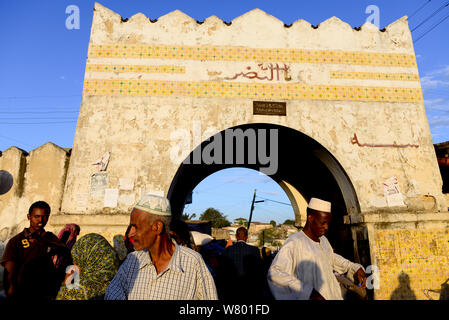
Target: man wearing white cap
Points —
{"points": [[304, 267], [159, 269]]}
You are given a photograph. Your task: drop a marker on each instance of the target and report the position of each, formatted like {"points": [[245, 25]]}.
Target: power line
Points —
{"points": [[38, 122], [288, 204], [37, 112], [441, 21], [12, 139], [429, 17], [39, 97], [419, 9], [53, 118]]}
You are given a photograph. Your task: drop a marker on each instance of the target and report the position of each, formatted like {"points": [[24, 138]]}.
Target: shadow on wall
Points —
{"points": [[403, 291], [443, 292]]}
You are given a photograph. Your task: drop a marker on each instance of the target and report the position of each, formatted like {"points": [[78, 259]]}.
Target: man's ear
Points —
{"points": [[28, 216], [310, 218], [159, 226]]}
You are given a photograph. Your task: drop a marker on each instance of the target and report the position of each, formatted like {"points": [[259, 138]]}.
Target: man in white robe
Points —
{"points": [[304, 267]]}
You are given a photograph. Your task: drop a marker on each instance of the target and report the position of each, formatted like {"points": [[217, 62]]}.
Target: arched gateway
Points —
{"points": [[344, 104]]}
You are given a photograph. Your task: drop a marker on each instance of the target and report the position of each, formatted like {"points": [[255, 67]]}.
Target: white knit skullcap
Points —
{"points": [[319, 205], [154, 204]]}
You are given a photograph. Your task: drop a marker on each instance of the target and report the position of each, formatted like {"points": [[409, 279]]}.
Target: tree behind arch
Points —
{"points": [[217, 219]]}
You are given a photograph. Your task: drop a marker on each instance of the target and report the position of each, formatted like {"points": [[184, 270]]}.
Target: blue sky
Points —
{"points": [[42, 69]]}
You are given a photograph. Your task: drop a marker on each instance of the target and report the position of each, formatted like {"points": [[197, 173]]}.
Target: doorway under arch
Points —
{"points": [[303, 168]]}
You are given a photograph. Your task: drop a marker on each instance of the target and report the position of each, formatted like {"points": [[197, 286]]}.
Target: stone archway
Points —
{"points": [[315, 173]]}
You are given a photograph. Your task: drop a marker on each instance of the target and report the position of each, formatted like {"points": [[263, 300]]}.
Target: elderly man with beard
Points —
{"points": [[159, 268], [304, 267]]}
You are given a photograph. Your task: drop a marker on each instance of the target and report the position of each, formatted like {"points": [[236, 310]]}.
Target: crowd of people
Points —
{"points": [[160, 258]]}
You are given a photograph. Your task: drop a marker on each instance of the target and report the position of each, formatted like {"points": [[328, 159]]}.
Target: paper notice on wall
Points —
{"points": [[127, 199], [392, 193], [126, 184], [110, 198], [81, 201], [98, 183]]}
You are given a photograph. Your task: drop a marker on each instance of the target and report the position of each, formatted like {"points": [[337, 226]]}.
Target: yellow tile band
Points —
{"points": [[209, 53], [374, 76], [219, 89], [134, 68], [419, 256]]}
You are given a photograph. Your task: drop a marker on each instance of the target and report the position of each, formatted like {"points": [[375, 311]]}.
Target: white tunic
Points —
{"points": [[303, 264]]}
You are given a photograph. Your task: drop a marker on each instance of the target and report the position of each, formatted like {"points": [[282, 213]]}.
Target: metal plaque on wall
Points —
{"points": [[270, 108]]}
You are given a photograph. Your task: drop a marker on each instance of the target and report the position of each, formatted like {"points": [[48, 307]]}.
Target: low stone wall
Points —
{"points": [[39, 175]]}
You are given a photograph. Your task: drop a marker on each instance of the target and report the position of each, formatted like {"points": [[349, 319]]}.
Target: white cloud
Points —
{"points": [[433, 102], [437, 104], [270, 192], [431, 82], [247, 179], [439, 122], [438, 72], [436, 78]]}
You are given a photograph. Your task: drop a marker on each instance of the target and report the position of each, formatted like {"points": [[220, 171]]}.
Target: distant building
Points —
{"points": [[240, 221], [259, 226]]}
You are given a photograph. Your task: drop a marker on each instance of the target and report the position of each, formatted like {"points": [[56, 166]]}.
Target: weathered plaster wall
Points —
{"points": [[158, 81], [12, 160], [150, 79], [39, 175]]}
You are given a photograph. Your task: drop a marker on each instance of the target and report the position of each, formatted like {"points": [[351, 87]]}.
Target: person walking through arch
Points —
{"points": [[304, 267], [241, 270]]}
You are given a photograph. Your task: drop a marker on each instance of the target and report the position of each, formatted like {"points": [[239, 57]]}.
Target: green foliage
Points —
{"points": [[187, 216], [217, 219], [273, 223], [289, 222], [269, 235]]}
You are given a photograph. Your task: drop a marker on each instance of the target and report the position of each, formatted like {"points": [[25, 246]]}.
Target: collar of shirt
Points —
{"points": [[241, 241], [27, 233], [313, 241], [174, 264]]}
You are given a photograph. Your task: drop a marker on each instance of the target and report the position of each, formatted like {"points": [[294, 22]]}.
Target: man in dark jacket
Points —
{"points": [[28, 258], [242, 270]]}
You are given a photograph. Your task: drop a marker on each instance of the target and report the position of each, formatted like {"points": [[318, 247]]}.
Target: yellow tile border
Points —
{"points": [[415, 253], [220, 89], [135, 68], [225, 53], [374, 76]]}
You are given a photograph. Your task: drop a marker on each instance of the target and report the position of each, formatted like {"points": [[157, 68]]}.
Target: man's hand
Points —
{"points": [[315, 295], [360, 278]]}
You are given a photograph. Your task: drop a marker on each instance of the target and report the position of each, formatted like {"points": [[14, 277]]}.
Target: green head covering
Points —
{"points": [[98, 263]]}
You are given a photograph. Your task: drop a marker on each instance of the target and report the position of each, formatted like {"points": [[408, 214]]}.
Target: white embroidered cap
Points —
{"points": [[319, 205], [154, 204]]}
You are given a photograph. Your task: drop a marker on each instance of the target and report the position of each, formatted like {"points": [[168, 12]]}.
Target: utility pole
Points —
{"points": [[252, 208]]}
